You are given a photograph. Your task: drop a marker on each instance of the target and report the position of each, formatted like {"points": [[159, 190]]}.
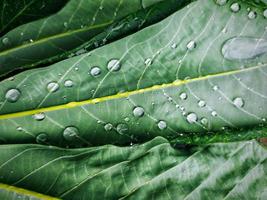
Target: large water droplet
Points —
{"points": [[252, 15], [138, 111], [52, 87], [68, 83], [191, 45], [12, 95], [240, 48], [238, 102], [70, 133], [108, 127], [122, 128], [221, 2], [201, 103], [41, 138], [95, 71], [183, 96], [39, 116], [5, 41], [235, 7], [162, 125], [114, 65], [191, 118]]}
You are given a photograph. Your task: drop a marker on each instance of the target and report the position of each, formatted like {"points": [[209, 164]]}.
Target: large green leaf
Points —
{"points": [[220, 88], [51, 39], [153, 170], [14, 13]]}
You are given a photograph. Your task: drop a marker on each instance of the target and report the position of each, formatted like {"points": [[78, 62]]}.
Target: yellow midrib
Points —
{"points": [[61, 35], [118, 96], [24, 192]]}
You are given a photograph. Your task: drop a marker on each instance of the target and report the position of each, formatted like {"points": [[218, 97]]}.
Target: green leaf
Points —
{"points": [[60, 35], [153, 170], [220, 88], [15, 13], [8, 192]]}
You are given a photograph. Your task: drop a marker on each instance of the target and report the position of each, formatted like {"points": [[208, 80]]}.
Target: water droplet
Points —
{"points": [[235, 7], [101, 8], [252, 15], [76, 68], [174, 46], [224, 30], [264, 119], [41, 138], [204, 121], [191, 118], [52, 86], [5, 41], [214, 113], [39, 116], [122, 128], [191, 45], [148, 62], [108, 127], [68, 83], [12, 95], [70, 133], [162, 125], [95, 71], [31, 40], [65, 24], [215, 87], [114, 65], [19, 128], [265, 13], [239, 48], [201, 103], [238, 102], [21, 33], [11, 78], [221, 2], [183, 96], [138, 111], [127, 119]]}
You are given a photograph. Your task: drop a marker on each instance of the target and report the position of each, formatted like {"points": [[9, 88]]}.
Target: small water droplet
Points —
{"points": [[138, 111], [122, 128], [183, 96], [76, 68], [68, 83], [19, 128], [39, 116], [101, 7], [52, 86], [224, 30], [65, 24], [11, 78], [252, 15], [235, 7], [191, 118], [5, 41], [214, 113], [31, 40], [191, 45], [127, 119], [204, 121], [215, 87], [221, 2], [41, 138], [240, 48], [70, 133], [238, 102], [12, 95], [114, 65], [162, 125], [201, 103], [174, 46], [264, 119], [108, 127], [95, 71], [148, 62], [21, 33], [265, 13]]}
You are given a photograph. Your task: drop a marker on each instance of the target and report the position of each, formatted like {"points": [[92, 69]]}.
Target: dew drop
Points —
{"points": [[235, 7], [127, 119], [138, 111], [265, 13], [122, 128], [162, 125], [183, 96], [39, 116], [252, 15], [174, 46], [114, 65], [191, 45], [240, 48], [65, 24], [191, 118], [41, 138], [238, 102], [19, 128], [70, 133], [215, 87], [221, 2], [204, 121], [201, 103], [214, 113], [108, 127], [5, 41], [224, 30], [95, 71], [148, 62], [52, 86], [31, 40], [68, 83], [12, 95]]}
